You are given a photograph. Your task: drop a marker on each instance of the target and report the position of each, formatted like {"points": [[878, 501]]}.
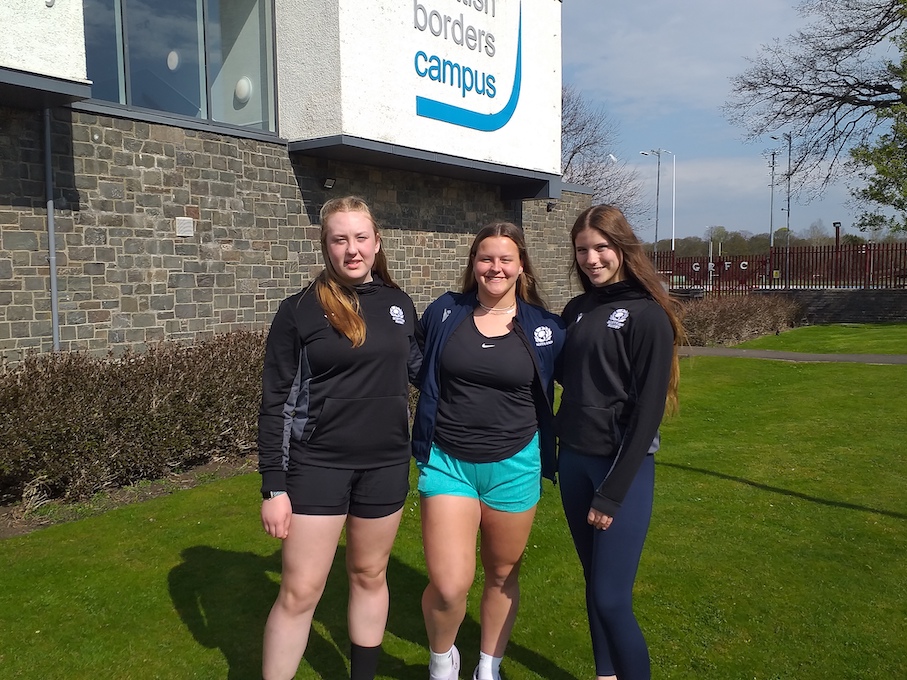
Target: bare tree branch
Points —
{"points": [[824, 84], [589, 141]]}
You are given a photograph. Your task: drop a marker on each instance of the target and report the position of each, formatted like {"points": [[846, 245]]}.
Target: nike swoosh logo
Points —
{"points": [[486, 345]]}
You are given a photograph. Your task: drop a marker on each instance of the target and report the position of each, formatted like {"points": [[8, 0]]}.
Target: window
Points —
{"points": [[208, 59], [104, 49]]}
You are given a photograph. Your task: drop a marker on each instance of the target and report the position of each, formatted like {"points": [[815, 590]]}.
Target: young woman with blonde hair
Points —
{"points": [[333, 439], [619, 371]]}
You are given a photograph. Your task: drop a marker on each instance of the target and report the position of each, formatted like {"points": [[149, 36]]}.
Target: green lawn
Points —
{"points": [[776, 551], [848, 338]]}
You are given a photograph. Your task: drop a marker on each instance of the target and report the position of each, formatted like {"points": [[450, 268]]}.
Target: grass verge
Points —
{"points": [[775, 552], [841, 338]]}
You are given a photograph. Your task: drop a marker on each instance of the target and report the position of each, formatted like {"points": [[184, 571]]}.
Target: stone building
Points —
{"points": [[163, 162]]}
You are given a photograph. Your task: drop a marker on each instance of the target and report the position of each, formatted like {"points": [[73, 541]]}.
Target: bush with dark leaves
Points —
{"points": [[731, 319], [72, 424]]}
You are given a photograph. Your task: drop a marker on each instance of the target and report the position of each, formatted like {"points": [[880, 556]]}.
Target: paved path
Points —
{"points": [[792, 356]]}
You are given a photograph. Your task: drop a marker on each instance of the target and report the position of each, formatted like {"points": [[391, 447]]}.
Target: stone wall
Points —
{"points": [[125, 278], [548, 239], [851, 306]]}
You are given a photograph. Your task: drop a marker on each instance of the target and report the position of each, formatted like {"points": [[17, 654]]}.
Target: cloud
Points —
{"points": [[665, 54]]}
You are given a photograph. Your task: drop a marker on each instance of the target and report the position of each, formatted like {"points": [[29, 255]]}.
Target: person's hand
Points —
{"points": [[599, 520], [275, 515]]}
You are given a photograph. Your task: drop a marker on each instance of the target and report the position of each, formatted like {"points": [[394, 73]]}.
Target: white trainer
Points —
{"points": [[475, 674], [454, 671]]}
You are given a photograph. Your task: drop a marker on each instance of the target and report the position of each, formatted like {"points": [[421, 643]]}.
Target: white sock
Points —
{"points": [[489, 667], [441, 664]]}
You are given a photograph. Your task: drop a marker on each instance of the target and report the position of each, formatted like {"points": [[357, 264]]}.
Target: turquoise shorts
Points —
{"points": [[510, 485]]}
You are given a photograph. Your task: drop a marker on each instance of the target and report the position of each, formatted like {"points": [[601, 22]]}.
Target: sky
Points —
{"points": [[661, 71]]}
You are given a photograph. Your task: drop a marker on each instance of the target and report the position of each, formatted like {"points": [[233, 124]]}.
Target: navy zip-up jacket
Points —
{"points": [[541, 331]]}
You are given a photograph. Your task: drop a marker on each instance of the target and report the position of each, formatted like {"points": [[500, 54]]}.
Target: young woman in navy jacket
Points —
{"points": [[333, 442], [619, 371], [482, 438]]}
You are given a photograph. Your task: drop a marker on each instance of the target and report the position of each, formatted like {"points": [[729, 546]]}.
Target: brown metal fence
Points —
{"points": [[869, 266]]}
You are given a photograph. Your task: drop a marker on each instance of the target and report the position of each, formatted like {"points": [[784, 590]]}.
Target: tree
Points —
{"points": [[735, 243], [690, 246], [884, 171], [784, 237], [817, 234], [760, 243], [589, 140], [716, 234], [824, 84]]}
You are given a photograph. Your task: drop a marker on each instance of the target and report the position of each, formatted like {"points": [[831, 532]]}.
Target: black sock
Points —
{"points": [[364, 662]]}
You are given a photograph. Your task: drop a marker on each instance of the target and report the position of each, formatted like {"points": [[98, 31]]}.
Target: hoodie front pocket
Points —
{"points": [[361, 425], [587, 429]]}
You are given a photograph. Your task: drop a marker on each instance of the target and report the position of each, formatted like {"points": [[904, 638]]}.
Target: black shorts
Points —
{"points": [[370, 494]]}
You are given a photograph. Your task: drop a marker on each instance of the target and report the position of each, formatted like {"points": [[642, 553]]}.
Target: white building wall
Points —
{"points": [[45, 37], [308, 72]]}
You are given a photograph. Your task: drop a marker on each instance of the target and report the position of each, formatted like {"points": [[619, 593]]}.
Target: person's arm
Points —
{"points": [[555, 353], [416, 343], [651, 351], [566, 319], [282, 356], [276, 514], [423, 337]]}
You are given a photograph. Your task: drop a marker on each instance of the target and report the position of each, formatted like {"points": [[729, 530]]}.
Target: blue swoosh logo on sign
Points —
{"points": [[484, 122]]}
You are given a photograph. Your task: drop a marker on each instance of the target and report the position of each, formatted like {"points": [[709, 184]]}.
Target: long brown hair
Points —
{"points": [[527, 286], [339, 299], [611, 223]]}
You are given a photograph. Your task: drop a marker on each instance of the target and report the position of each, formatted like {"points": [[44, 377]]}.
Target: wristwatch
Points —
{"points": [[268, 495]]}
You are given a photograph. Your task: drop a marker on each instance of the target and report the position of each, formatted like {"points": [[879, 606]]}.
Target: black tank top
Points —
{"points": [[486, 410]]}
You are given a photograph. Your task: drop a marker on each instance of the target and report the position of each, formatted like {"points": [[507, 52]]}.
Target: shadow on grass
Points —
{"points": [[223, 597], [786, 492]]}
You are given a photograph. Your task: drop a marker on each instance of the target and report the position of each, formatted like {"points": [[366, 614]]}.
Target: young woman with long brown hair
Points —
{"points": [[333, 438], [619, 372], [483, 438]]}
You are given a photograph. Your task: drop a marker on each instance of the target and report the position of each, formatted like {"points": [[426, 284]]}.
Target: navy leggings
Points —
{"points": [[610, 559]]}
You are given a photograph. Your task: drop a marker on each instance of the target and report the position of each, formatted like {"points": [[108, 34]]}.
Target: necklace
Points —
{"points": [[498, 310]]}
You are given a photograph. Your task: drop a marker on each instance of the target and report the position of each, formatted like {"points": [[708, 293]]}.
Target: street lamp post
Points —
{"points": [[771, 215], [789, 143], [673, 195], [657, 153], [787, 254], [837, 226], [788, 137]]}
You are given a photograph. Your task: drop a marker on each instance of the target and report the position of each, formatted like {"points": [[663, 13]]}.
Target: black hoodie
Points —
{"points": [[325, 402], [615, 370]]}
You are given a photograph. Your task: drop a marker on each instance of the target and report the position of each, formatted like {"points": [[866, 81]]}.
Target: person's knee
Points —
{"points": [[502, 576], [613, 604], [371, 577], [449, 591], [299, 596]]}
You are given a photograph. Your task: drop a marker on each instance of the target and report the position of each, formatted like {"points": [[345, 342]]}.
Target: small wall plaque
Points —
{"points": [[185, 226]]}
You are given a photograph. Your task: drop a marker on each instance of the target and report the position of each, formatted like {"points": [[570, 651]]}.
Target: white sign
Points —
{"points": [[476, 79]]}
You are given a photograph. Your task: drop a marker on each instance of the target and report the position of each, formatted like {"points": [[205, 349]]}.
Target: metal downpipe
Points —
{"points": [[51, 233]]}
